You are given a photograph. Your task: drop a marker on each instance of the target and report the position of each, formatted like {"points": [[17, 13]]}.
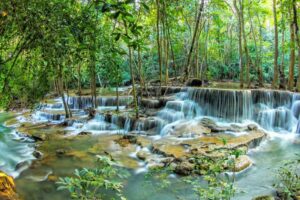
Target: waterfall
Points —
{"points": [[271, 109], [84, 102]]}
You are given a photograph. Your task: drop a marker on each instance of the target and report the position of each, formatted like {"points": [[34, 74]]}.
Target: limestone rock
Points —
{"points": [[184, 168], [142, 154], [242, 163], [7, 187], [60, 152], [37, 154], [264, 197], [85, 133]]}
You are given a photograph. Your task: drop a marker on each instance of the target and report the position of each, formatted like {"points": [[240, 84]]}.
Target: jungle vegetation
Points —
{"points": [[48, 45]]}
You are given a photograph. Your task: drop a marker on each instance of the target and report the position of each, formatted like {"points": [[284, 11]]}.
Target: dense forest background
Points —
{"points": [[63, 44]]}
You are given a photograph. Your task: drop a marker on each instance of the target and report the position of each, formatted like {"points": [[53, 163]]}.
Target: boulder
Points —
{"points": [[60, 152], [153, 165], [264, 197], [252, 127], [85, 133], [7, 187], [22, 165], [142, 154], [39, 137], [184, 168], [151, 103], [194, 82], [37, 154], [242, 163]]}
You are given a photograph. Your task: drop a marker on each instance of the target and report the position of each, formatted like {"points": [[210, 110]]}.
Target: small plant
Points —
{"points": [[288, 177], [87, 183], [219, 185], [161, 175]]}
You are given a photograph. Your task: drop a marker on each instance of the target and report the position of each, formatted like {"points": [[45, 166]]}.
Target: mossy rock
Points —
{"points": [[264, 197]]}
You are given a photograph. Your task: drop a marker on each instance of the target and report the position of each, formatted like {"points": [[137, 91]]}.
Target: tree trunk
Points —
{"points": [[282, 84], [241, 64], [158, 41], [117, 94], [79, 79], [298, 42], [247, 58], [275, 79], [61, 93], [292, 58], [171, 48], [260, 72], [135, 100], [187, 67], [257, 54], [93, 83]]}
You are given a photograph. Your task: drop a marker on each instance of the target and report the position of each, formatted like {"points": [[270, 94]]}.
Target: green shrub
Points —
{"points": [[288, 176], [87, 183]]}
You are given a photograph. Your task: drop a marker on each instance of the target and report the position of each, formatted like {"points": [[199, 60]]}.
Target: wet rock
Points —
{"points": [[85, 133], [252, 127], [193, 82], [188, 129], [153, 165], [22, 165], [91, 113], [264, 197], [7, 187], [242, 163], [151, 103], [60, 152], [211, 124], [37, 154], [143, 155], [131, 138], [39, 137], [167, 161], [126, 140], [52, 178], [184, 168], [39, 176]]}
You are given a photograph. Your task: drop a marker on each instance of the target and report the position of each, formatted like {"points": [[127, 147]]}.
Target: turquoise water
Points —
{"points": [[255, 181], [14, 149]]}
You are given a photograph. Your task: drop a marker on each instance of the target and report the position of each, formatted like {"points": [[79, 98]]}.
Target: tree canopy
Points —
{"points": [[61, 44]]}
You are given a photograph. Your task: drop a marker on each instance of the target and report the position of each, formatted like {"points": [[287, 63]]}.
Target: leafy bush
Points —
{"points": [[87, 183], [219, 184], [288, 177]]}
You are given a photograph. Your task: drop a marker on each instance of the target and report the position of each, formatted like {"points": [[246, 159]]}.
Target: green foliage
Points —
{"points": [[88, 183], [288, 176], [38, 38], [161, 177], [218, 184], [214, 187]]}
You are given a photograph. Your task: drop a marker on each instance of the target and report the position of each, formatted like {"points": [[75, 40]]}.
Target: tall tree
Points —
{"points": [[241, 63], [197, 26], [275, 79]]}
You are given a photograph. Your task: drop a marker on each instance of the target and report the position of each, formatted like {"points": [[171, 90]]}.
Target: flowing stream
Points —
{"points": [[277, 112]]}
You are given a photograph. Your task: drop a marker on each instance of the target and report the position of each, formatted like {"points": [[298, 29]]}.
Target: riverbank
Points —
{"points": [[168, 135]]}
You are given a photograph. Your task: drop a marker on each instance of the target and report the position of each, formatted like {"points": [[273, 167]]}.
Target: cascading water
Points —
{"points": [[16, 150], [84, 102], [271, 109]]}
